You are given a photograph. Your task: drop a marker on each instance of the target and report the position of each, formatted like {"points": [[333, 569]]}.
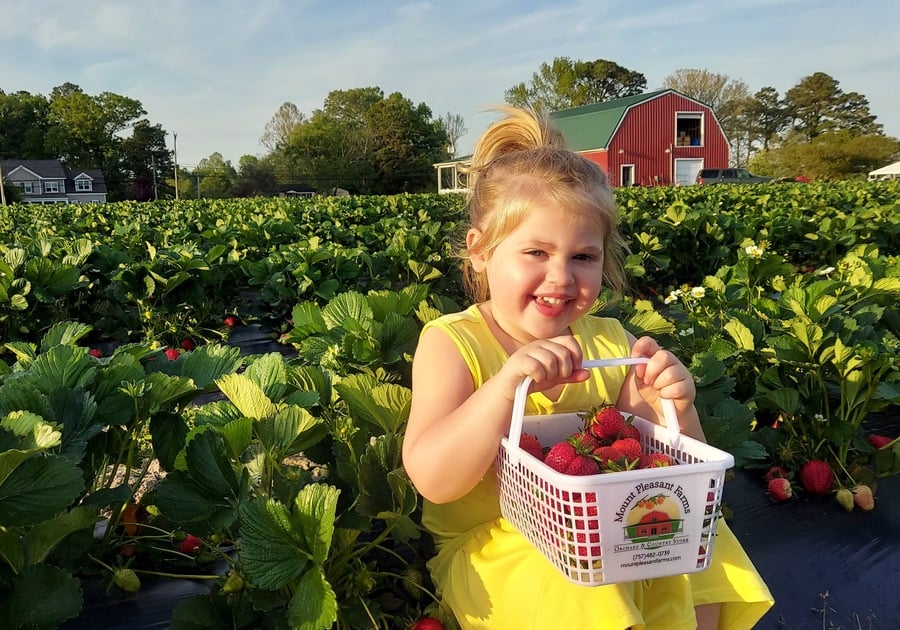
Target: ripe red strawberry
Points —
{"points": [[630, 431], [191, 544], [428, 623], [565, 458], [231, 321], [862, 497], [172, 354], [530, 444], [817, 477], [630, 448], [584, 442], [879, 441], [188, 344], [780, 489], [607, 423], [609, 457], [655, 460], [95, 352], [776, 472]]}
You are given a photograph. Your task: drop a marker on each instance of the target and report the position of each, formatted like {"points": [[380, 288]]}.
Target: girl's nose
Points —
{"points": [[559, 273]]}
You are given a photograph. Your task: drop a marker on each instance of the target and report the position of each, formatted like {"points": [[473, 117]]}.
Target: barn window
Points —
{"points": [[688, 129]]}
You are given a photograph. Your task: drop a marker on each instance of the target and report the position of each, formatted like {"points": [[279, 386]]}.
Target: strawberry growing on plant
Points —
{"points": [[428, 623], [878, 441], [191, 544], [188, 344], [231, 321], [780, 489], [844, 498], [95, 352], [816, 477], [172, 354], [863, 498]]}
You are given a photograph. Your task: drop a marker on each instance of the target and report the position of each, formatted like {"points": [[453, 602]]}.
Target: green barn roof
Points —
{"points": [[592, 126]]}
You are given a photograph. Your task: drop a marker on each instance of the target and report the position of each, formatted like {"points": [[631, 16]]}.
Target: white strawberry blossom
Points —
{"points": [[698, 292], [820, 418], [754, 251]]}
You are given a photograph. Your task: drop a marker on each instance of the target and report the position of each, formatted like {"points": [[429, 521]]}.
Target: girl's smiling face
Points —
{"points": [[545, 274]]}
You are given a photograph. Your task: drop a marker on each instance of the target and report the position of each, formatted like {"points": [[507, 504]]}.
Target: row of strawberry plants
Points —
{"points": [[174, 270]]}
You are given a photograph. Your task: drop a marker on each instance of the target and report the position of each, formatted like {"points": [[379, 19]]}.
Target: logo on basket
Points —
{"points": [[653, 518]]}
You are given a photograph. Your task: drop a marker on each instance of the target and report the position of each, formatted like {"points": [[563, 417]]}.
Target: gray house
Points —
{"points": [[48, 181]]}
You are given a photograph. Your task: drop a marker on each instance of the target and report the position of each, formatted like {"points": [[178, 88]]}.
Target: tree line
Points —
{"points": [[365, 142]]}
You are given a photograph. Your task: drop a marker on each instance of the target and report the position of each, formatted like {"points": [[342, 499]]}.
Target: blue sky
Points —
{"points": [[215, 72]]}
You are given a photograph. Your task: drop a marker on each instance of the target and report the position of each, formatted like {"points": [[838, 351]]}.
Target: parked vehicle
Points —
{"points": [[729, 176]]}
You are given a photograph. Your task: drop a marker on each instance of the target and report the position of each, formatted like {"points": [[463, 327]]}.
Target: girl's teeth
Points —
{"points": [[553, 301]]}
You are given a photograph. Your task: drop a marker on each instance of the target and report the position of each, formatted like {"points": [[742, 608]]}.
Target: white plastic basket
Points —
{"points": [[620, 526]]}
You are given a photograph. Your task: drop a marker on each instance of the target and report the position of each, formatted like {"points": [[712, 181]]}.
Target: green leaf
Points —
{"points": [[64, 333], [273, 548], [208, 493], [348, 309], [44, 536], [38, 489], [314, 605], [314, 509], [382, 492], [787, 400], [385, 405], [42, 596], [270, 373], [210, 362], [246, 395], [741, 335]]}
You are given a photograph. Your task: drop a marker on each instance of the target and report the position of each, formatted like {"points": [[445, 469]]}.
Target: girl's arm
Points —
{"points": [[663, 377], [454, 431]]}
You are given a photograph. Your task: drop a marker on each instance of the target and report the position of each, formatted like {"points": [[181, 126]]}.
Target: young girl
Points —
{"points": [[543, 238]]}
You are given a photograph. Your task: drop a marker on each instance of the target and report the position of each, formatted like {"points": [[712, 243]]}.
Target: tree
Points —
{"points": [[727, 98], [367, 144], [564, 83], [24, 121], [255, 177], [819, 106], [829, 156], [766, 116], [406, 143], [279, 129], [455, 127], [214, 178], [145, 161]]}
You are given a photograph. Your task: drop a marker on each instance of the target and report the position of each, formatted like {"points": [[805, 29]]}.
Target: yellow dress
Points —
{"points": [[490, 576]]}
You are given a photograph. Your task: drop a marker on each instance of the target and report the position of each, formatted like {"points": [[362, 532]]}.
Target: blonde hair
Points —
{"points": [[522, 160]]}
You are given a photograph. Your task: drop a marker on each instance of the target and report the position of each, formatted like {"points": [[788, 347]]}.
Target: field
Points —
{"points": [[117, 320]]}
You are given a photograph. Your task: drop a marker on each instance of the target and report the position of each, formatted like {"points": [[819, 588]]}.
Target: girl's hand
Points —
{"points": [[664, 376], [549, 362]]}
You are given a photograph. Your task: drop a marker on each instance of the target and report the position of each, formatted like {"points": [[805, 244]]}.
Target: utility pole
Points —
{"points": [[153, 166], [175, 157], [2, 188]]}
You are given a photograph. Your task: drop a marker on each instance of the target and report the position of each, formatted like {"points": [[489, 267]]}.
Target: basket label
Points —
{"points": [[653, 516]]}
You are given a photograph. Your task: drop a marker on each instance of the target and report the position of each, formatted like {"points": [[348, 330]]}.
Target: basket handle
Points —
{"points": [[518, 412]]}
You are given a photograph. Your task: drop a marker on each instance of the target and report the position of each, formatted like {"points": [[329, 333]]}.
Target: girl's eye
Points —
{"points": [[585, 257], [534, 252]]}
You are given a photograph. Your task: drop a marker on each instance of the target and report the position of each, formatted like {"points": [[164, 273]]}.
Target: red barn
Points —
{"points": [[657, 138]]}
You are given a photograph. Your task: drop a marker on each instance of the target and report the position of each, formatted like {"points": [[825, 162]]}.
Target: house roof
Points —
{"points": [[47, 169], [890, 169], [592, 126]]}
